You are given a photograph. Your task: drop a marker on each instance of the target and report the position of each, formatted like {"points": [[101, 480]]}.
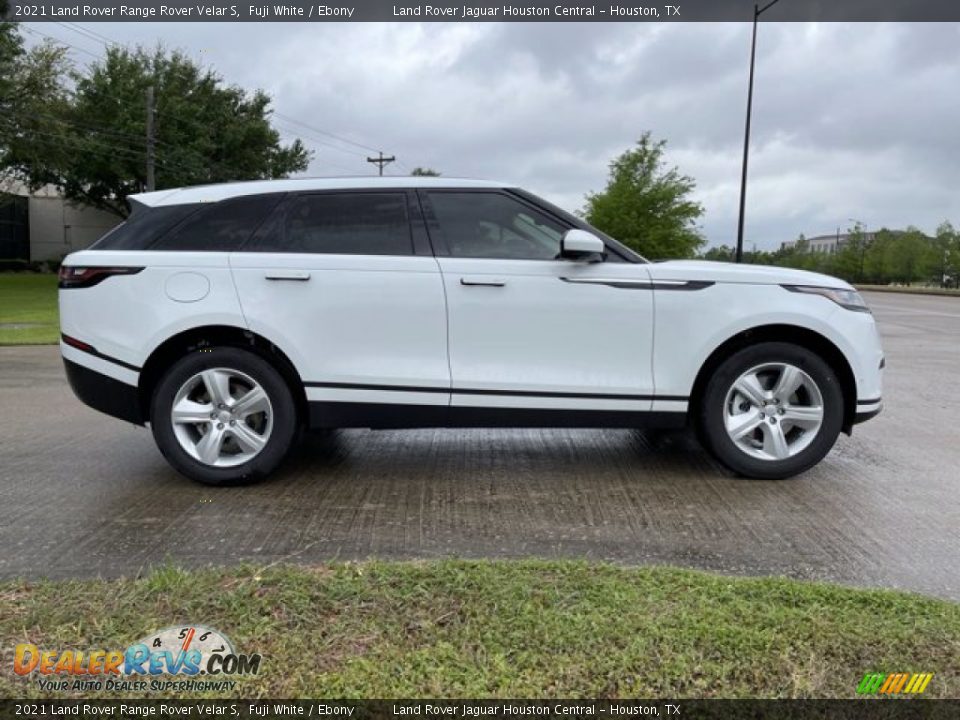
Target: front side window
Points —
{"points": [[493, 225], [339, 223]]}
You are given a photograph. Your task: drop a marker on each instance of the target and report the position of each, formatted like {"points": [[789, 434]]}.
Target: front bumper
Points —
{"points": [[868, 412]]}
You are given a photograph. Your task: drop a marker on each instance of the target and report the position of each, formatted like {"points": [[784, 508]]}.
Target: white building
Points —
{"points": [[42, 225], [826, 243]]}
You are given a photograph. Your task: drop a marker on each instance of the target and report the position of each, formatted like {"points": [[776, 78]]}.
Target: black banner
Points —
{"points": [[479, 11], [865, 709]]}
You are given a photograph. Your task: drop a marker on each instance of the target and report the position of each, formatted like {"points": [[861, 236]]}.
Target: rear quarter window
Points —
{"points": [[143, 227], [220, 227]]}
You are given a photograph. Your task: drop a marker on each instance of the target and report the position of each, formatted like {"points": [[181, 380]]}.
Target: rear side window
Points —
{"points": [[339, 223], [144, 226], [220, 227]]}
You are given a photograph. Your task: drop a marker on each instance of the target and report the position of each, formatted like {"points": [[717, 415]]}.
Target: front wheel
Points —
{"points": [[223, 416], [771, 411]]}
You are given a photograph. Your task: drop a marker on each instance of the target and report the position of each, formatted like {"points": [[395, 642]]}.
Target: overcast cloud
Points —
{"points": [[850, 120]]}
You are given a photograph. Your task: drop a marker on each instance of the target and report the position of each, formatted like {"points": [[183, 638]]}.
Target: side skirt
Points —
{"points": [[384, 416]]}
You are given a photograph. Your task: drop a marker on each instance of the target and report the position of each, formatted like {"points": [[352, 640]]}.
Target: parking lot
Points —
{"points": [[84, 495]]}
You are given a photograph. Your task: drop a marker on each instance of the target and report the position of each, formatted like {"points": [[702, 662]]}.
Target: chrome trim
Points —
{"points": [[626, 283]]}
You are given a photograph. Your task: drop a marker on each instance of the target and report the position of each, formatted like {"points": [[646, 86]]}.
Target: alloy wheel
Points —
{"points": [[222, 417], [773, 411]]}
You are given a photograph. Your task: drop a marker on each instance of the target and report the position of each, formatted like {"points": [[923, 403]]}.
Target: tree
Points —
{"points": [[424, 172], [646, 206], [723, 253], [32, 96], [946, 260], [876, 261], [909, 257], [850, 258], [11, 50], [206, 132]]}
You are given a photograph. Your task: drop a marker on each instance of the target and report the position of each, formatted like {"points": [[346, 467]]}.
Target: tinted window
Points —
{"points": [[492, 225], [340, 223], [143, 227], [221, 226]]}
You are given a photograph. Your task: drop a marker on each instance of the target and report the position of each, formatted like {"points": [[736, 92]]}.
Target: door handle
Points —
{"points": [[482, 281], [287, 275]]}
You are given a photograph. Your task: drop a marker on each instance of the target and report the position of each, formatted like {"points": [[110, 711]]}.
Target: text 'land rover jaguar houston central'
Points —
{"points": [[228, 317]]}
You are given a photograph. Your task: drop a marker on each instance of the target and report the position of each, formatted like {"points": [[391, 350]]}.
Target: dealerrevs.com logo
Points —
{"points": [[176, 658]]}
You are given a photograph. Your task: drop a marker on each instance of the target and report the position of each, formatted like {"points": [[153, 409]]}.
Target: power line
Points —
{"points": [[326, 144], [198, 161], [82, 32], [87, 32], [325, 132], [195, 162], [84, 144], [62, 42], [85, 126]]}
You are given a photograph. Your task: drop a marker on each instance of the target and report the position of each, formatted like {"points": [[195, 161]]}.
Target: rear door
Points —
{"points": [[346, 284]]}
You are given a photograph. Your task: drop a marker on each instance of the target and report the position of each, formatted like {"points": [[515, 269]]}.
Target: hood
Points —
{"points": [[723, 272]]}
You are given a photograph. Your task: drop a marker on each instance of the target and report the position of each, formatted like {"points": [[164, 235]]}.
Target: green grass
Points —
{"points": [[30, 299], [507, 628]]}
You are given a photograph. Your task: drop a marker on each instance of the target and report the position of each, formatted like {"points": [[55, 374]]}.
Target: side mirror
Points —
{"points": [[577, 244]]}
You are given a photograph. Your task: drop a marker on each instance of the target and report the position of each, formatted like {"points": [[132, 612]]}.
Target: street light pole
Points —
{"points": [[757, 12]]}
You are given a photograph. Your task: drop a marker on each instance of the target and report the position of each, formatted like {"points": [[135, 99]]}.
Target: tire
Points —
{"points": [[752, 393], [263, 428]]}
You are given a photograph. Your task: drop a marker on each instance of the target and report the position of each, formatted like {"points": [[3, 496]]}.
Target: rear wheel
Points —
{"points": [[771, 411], [223, 416]]}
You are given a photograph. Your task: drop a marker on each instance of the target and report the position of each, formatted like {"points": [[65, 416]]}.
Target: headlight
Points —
{"points": [[849, 299]]}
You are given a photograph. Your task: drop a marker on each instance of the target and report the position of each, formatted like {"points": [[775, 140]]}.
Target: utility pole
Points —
{"points": [[381, 161], [757, 12], [151, 142]]}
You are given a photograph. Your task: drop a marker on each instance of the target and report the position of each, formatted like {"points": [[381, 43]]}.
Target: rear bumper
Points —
{"points": [[103, 393]]}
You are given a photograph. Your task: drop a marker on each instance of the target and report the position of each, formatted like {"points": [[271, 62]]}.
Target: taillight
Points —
{"points": [[79, 344], [84, 277]]}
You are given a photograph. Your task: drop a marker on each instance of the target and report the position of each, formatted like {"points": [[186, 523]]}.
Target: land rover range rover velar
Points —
{"points": [[227, 317]]}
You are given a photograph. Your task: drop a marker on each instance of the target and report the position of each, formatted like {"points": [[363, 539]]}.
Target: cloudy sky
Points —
{"points": [[850, 120]]}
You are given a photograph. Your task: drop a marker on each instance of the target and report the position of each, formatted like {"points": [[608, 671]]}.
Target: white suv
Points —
{"points": [[229, 317]]}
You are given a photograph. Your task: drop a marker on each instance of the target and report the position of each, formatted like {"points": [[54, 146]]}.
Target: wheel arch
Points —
{"points": [[796, 335], [208, 336]]}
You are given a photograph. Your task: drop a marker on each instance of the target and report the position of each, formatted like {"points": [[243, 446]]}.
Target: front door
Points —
{"points": [[529, 331]]}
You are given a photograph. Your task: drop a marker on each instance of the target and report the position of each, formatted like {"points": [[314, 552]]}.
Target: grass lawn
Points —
{"points": [[30, 300], [511, 629]]}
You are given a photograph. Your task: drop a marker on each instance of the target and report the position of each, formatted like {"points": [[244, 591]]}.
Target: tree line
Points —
{"points": [[884, 257]]}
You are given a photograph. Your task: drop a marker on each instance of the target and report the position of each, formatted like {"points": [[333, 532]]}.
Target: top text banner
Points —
{"points": [[481, 11]]}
